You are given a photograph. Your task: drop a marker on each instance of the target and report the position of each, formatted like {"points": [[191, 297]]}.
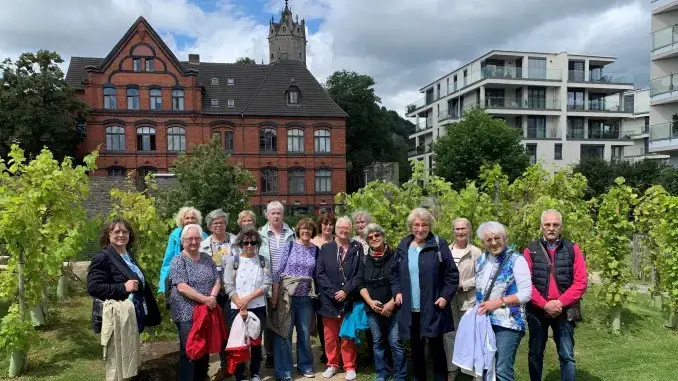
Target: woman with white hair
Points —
{"points": [[503, 287], [424, 279], [186, 216]]}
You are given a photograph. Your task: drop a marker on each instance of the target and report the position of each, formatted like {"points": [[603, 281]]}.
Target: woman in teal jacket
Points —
{"points": [[186, 216]]}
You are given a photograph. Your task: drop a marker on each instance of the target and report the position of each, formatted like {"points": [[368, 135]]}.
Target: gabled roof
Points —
{"points": [[76, 70]]}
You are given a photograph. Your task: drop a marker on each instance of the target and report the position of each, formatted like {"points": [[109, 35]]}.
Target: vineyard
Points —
{"points": [[43, 224]]}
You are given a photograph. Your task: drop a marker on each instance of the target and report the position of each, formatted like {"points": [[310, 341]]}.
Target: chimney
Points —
{"points": [[194, 59]]}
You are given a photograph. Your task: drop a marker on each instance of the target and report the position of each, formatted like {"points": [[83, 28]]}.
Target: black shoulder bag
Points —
{"points": [[496, 275], [573, 312]]}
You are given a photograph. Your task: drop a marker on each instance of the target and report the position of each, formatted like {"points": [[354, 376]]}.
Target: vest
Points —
{"points": [[563, 266]]}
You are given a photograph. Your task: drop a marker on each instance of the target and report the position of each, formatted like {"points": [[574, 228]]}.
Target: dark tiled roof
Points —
{"points": [[76, 70]]}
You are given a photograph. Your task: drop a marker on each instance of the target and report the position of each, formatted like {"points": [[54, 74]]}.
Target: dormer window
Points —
{"points": [[284, 29], [231, 103], [215, 102], [231, 82], [293, 96], [215, 81]]}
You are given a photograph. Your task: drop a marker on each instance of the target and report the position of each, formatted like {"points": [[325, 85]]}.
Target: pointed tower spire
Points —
{"points": [[287, 8]]}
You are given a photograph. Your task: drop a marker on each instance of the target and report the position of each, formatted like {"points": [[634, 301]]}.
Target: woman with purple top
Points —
{"points": [[297, 259]]}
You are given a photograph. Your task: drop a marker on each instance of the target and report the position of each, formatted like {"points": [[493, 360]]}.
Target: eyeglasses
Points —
{"points": [[248, 243], [374, 236], [119, 232]]}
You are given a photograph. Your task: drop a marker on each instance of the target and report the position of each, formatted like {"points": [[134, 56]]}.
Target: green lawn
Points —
{"points": [[69, 351]]}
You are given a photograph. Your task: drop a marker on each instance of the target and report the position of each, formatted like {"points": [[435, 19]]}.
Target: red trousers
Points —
{"points": [[348, 351]]}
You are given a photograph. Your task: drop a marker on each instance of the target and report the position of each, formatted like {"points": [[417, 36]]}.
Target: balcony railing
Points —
{"points": [[451, 114], [597, 105], [521, 103], [597, 134], [663, 85], [419, 150], [635, 133], [593, 77], [664, 37], [542, 133], [500, 72], [664, 131], [638, 152], [424, 124]]}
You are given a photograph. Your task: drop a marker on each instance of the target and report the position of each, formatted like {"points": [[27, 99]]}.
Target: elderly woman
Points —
{"points": [[246, 217], [424, 280], [465, 255], [361, 219], [186, 215], [336, 275], [374, 285], [503, 287], [246, 284], [325, 223], [195, 281], [114, 272], [297, 265]]}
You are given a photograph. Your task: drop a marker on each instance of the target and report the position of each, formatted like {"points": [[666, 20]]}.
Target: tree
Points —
{"points": [[373, 133], [37, 108], [245, 60], [207, 181], [476, 140]]}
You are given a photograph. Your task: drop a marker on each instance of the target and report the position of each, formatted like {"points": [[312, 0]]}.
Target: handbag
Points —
{"points": [[572, 312]]}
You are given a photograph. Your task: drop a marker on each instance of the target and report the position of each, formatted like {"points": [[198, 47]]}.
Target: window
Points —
{"points": [[603, 130], [536, 127], [536, 68], [132, 99], [269, 180], [228, 141], [110, 100], [536, 97], [575, 128], [268, 140], [231, 103], [629, 103], [156, 99], [591, 151], [149, 65], [136, 64], [323, 181], [558, 151], [145, 139], [293, 97], [215, 81], [231, 82], [531, 150], [214, 102], [176, 139], [575, 99], [115, 138], [116, 171], [295, 140], [296, 181], [321, 141], [617, 152], [178, 100]]}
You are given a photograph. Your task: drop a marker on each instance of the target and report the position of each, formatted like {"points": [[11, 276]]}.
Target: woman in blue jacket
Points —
{"points": [[424, 280]]}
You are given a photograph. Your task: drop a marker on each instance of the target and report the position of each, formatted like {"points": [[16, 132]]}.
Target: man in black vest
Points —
{"points": [[559, 280]]}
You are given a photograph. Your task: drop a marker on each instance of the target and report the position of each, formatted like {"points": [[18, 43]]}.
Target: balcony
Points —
{"points": [[419, 150], [664, 89], [665, 43], [636, 133], [449, 114], [659, 6], [418, 104], [598, 105], [521, 103], [424, 124], [641, 154], [664, 131], [598, 78], [542, 133], [500, 72]]}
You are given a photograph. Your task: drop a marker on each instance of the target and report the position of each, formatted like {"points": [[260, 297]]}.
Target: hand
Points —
{"points": [[399, 299], [488, 306], [441, 302], [340, 296], [375, 306], [388, 308], [131, 285], [554, 307], [242, 302], [211, 302], [243, 314]]}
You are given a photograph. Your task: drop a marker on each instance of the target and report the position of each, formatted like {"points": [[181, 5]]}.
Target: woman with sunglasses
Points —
{"points": [[246, 283]]}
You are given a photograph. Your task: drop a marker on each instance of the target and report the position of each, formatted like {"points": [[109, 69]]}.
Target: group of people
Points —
{"points": [[319, 274]]}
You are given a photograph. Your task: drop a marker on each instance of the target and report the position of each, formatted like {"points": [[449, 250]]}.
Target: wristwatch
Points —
{"points": [[503, 303]]}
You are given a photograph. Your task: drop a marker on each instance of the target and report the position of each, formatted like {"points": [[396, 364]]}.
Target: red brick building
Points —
{"points": [[276, 119]]}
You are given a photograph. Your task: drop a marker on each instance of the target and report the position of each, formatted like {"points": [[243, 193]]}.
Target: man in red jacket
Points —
{"points": [[559, 280]]}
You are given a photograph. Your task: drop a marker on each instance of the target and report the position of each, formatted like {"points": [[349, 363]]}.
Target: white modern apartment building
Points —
{"points": [[664, 80], [566, 106], [637, 127]]}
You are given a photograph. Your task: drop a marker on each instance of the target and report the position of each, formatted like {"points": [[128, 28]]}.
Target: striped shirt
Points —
{"points": [[276, 243]]}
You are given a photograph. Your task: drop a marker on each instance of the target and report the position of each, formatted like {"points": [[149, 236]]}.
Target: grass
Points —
{"points": [[68, 350]]}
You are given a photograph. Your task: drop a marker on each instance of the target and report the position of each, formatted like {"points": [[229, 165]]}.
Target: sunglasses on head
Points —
{"points": [[249, 243]]}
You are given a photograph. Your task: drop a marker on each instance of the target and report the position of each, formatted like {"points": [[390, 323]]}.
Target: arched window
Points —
{"points": [[323, 181], [296, 181], [269, 180], [295, 140], [176, 139], [156, 99], [268, 140], [321, 141], [145, 139], [132, 99], [116, 171], [228, 141], [115, 138], [110, 100], [178, 100]]}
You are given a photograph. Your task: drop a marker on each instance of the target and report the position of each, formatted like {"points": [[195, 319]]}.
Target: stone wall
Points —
{"points": [[99, 200], [383, 171]]}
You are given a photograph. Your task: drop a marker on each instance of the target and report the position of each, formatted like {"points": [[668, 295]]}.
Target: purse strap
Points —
{"points": [[496, 275], [551, 269]]}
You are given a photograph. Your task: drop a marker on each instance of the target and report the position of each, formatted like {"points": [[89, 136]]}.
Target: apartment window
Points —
{"points": [[536, 127], [323, 181], [603, 130], [230, 82], [617, 152], [156, 99], [136, 64], [110, 100], [269, 180], [116, 171], [178, 100], [295, 140], [228, 141], [115, 138], [150, 67], [447, 85], [268, 140], [536, 68], [588, 151], [454, 82], [536, 97], [575, 128], [575, 99], [215, 81], [438, 90], [558, 151], [531, 150], [597, 101], [465, 77], [321, 141], [133, 99], [296, 181], [629, 101], [214, 102], [576, 72], [494, 97], [176, 139], [145, 139]]}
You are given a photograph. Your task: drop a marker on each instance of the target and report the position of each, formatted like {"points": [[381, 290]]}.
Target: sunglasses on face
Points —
{"points": [[249, 243], [372, 237]]}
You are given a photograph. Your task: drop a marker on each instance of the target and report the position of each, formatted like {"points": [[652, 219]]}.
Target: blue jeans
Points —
{"points": [[301, 314], [190, 370], [383, 328], [255, 351], [508, 341], [563, 335]]}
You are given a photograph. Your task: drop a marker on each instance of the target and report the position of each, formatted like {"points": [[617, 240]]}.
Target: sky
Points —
{"points": [[402, 44]]}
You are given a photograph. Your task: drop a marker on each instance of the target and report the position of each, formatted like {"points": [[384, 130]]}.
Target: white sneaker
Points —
{"points": [[331, 371], [350, 375]]}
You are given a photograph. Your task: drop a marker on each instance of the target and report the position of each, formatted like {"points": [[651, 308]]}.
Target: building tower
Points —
{"points": [[287, 38]]}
